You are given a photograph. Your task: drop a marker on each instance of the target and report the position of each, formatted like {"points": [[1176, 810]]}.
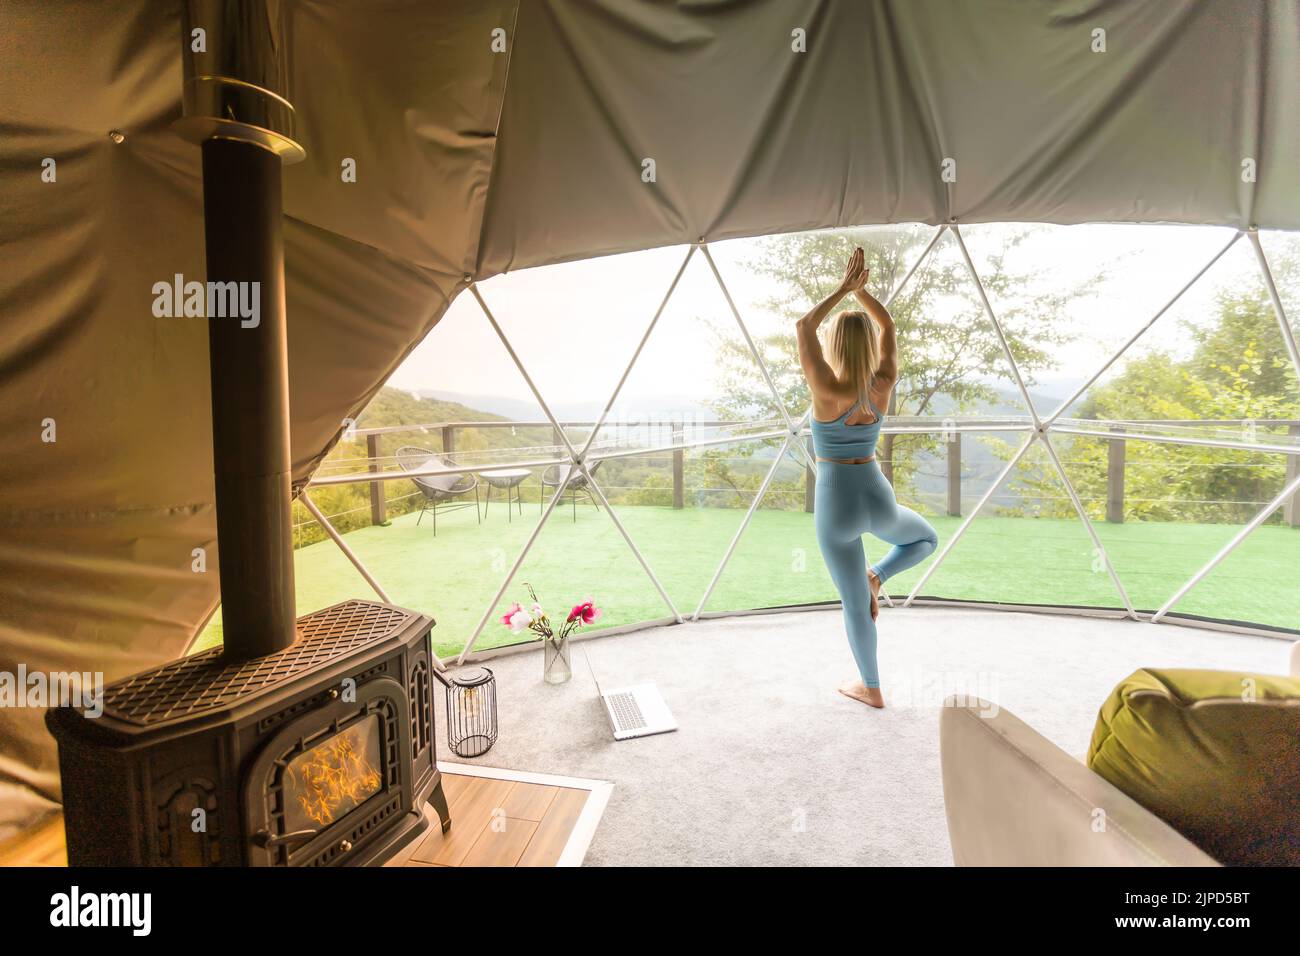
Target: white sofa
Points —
{"points": [[1014, 798]]}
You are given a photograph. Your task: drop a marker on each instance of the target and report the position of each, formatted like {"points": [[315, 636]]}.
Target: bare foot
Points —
{"points": [[859, 691], [874, 583]]}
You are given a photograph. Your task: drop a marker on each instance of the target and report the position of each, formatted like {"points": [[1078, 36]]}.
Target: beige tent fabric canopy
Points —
{"points": [[474, 157]]}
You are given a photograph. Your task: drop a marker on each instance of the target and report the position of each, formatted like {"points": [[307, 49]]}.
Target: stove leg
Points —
{"points": [[439, 801]]}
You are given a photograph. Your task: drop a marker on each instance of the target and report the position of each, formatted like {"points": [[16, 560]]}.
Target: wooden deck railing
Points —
{"points": [[1115, 465]]}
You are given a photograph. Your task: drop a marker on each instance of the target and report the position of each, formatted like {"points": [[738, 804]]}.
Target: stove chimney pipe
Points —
{"points": [[235, 75]]}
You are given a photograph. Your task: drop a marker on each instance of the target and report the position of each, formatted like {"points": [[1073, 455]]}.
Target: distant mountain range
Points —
{"points": [[1046, 395]]}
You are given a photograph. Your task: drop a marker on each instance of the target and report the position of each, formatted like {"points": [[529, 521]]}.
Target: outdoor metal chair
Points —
{"points": [[567, 480], [441, 492]]}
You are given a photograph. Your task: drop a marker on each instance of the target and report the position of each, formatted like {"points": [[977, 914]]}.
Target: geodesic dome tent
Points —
{"points": [[489, 137]]}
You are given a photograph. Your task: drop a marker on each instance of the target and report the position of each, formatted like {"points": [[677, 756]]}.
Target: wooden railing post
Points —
{"points": [[1115, 453], [809, 482], [1291, 508], [378, 506], [679, 468], [448, 439], [954, 474]]}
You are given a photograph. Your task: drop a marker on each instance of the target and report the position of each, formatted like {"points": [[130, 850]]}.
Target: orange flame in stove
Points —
{"points": [[334, 776]]}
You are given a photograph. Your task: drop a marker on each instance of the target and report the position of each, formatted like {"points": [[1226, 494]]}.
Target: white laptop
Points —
{"points": [[636, 711]]}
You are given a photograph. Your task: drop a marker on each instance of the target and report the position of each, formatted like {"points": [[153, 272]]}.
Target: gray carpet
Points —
{"points": [[772, 767]]}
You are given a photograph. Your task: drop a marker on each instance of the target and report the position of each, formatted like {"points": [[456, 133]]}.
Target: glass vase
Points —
{"points": [[555, 665]]}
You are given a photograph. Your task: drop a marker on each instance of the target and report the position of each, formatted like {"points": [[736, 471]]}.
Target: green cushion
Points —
{"points": [[1215, 754]]}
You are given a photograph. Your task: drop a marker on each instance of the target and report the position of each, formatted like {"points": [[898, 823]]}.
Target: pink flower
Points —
{"points": [[519, 620], [509, 615], [586, 612]]}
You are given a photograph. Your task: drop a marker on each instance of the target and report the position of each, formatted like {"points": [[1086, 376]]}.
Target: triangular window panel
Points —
{"points": [[578, 554], [1187, 504], [684, 507], [951, 360], [695, 378], [1028, 544], [1246, 586], [461, 384], [576, 326], [1070, 297], [1214, 367]]}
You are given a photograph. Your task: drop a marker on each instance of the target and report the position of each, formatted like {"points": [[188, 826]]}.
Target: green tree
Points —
{"points": [[1239, 370]]}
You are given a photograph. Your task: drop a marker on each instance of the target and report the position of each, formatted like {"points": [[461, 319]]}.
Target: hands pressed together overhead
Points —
{"points": [[855, 273]]}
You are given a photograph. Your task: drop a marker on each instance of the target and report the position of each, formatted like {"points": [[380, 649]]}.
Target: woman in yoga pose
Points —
{"points": [[851, 382]]}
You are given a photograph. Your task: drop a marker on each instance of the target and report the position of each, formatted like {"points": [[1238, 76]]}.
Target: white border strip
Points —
{"points": [[584, 828]]}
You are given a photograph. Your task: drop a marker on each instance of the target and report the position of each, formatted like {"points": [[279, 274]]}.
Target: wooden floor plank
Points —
{"points": [[453, 785], [529, 801], [552, 834], [471, 816], [501, 843]]}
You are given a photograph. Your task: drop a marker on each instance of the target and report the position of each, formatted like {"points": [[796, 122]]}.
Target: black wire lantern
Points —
{"points": [[471, 710]]}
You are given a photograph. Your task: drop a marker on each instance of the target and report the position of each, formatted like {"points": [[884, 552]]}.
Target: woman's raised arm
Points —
{"points": [[815, 369], [887, 372]]}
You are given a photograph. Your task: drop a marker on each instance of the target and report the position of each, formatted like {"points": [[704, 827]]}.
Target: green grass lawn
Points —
{"points": [[1022, 560]]}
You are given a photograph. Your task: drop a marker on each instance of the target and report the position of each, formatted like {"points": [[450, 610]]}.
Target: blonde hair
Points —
{"points": [[853, 350]]}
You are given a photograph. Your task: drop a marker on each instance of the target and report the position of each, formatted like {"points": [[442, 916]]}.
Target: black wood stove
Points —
{"points": [[306, 742], [316, 755]]}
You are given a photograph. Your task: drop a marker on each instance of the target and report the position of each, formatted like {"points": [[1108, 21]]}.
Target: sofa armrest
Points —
{"points": [[1013, 798]]}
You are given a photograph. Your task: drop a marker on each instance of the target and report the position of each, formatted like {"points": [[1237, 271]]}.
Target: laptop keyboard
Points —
{"points": [[627, 715]]}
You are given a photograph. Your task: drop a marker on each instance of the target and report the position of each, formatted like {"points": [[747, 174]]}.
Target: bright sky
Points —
{"points": [[576, 325]]}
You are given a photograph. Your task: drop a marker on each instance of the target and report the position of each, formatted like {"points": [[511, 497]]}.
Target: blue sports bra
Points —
{"points": [[838, 440]]}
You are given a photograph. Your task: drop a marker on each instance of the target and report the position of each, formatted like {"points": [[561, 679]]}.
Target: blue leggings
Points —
{"points": [[852, 500]]}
